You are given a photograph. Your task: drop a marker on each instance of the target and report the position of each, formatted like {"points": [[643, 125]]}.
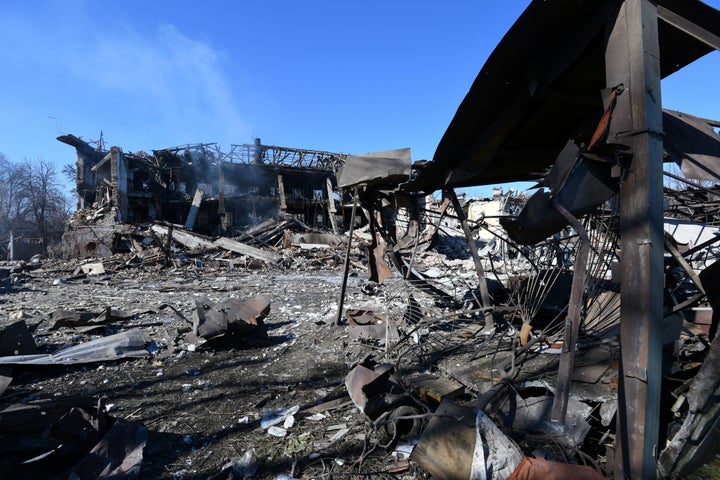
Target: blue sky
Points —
{"points": [[349, 77]]}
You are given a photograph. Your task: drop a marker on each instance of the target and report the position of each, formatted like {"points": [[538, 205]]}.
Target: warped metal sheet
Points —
{"points": [[693, 144], [130, 344], [380, 168]]}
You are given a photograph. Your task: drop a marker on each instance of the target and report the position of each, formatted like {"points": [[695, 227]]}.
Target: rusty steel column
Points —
{"points": [[632, 60]]}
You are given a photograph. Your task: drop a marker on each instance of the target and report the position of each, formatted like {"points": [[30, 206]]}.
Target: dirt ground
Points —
{"points": [[203, 406]]}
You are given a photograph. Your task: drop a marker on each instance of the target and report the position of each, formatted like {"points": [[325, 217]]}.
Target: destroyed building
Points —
{"points": [[198, 186]]}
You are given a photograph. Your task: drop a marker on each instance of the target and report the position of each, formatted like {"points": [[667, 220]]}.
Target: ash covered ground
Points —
{"points": [[203, 405]]}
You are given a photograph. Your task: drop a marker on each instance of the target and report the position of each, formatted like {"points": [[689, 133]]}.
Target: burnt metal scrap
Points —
{"points": [[220, 322], [421, 342], [512, 368], [525, 104], [69, 438]]}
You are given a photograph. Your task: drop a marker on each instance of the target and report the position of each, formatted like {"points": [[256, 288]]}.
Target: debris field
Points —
{"points": [[282, 313]]}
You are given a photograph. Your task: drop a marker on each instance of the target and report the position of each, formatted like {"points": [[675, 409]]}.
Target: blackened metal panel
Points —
{"points": [[693, 144]]}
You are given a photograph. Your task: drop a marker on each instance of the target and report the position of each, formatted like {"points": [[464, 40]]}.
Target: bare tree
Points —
{"points": [[12, 202], [44, 201], [39, 207]]}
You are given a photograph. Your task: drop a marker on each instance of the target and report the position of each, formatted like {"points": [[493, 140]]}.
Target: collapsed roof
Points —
{"points": [[542, 86]]}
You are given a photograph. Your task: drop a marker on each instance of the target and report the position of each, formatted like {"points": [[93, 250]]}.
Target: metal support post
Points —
{"points": [[572, 321], [346, 267], [632, 59], [482, 283]]}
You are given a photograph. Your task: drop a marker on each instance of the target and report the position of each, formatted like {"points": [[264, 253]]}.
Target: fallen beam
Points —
{"points": [[190, 240], [241, 248], [184, 238]]}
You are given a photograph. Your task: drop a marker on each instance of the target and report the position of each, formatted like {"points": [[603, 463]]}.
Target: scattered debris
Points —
{"points": [[475, 338], [69, 438]]}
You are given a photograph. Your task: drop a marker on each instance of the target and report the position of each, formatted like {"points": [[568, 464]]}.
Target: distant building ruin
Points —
{"points": [[200, 187]]}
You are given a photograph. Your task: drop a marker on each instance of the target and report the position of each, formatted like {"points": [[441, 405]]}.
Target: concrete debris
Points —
{"points": [[419, 340]]}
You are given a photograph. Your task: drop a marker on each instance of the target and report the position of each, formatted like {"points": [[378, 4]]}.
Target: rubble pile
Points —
{"points": [[236, 366]]}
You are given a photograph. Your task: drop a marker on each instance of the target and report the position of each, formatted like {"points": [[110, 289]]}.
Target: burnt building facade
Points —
{"points": [[204, 189]]}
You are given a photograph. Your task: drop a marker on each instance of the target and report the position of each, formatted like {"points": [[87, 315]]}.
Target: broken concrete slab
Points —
{"points": [[91, 269], [183, 237]]}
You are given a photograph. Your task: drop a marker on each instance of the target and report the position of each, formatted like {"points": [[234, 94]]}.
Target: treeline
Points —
{"points": [[32, 204]]}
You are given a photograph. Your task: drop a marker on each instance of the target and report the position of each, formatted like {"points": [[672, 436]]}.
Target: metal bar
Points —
{"points": [[677, 256], [346, 268], [686, 26], [482, 283], [691, 183], [572, 321], [632, 58], [699, 247]]}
